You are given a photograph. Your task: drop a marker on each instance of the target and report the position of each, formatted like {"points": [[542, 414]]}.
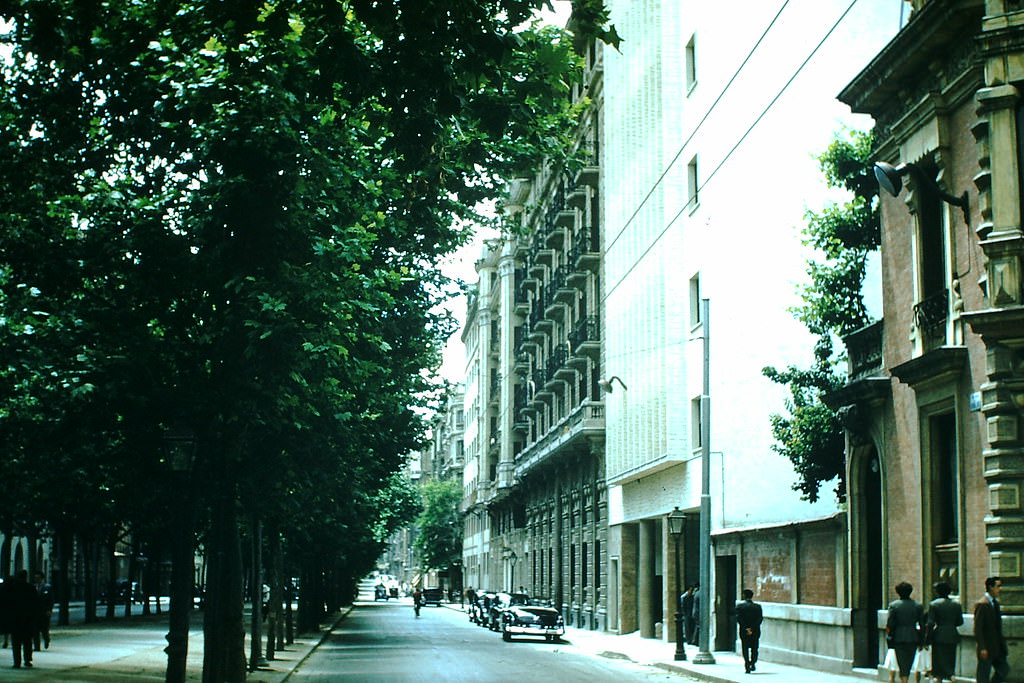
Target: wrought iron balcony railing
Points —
{"points": [[931, 313], [864, 350]]}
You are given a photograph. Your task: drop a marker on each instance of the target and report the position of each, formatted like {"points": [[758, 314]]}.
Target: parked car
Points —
{"points": [[432, 596], [532, 620], [501, 602], [483, 606], [380, 592]]}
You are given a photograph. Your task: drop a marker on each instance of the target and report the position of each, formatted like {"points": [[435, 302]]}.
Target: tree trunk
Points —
{"points": [[256, 615], [129, 596], [223, 625], [64, 545], [111, 577], [276, 585], [91, 560]]}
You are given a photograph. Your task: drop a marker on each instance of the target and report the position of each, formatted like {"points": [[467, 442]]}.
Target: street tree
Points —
{"points": [[811, 435], [439, 538], [229, 215]]}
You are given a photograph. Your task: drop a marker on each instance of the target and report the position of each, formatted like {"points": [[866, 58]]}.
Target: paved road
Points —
{"points": [[384, 641]]}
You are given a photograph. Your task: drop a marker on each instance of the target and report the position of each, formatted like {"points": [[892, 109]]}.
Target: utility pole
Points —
{"points": [[704, 655]]}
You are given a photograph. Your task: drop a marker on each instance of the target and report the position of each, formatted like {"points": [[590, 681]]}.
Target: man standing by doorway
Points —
{"points": [[988, 635], [749, 618]]}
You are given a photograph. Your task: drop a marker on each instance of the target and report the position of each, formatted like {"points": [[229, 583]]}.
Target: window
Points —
{"points": [[584, 563], [692, 185], [695, 305], [597, 564], [695, 423], [932, 308], [944, 494], [691, 63]]}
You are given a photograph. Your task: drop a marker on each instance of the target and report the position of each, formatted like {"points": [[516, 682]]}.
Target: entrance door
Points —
{"points": [[872, 592], [725, 601]]}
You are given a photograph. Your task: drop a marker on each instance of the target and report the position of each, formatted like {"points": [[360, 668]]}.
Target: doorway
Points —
{"points": [[869, 553], [725, 600]]}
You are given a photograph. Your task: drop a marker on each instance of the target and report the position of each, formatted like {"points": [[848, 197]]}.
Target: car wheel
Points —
{"points": [[506, 636]]}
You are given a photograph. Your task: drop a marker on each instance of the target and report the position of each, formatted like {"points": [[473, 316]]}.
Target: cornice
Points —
{"points": [[912, 62]]}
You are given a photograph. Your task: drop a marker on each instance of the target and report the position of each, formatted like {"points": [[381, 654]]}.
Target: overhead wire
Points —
{"points": [[700, 123], [732, 149]]}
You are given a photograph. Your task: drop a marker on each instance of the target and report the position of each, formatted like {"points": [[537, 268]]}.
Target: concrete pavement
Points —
{"points": [[728, 666], [129, 650]]}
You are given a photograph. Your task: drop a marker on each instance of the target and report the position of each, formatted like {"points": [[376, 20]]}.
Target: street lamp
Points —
{"points": [[179, 451], [676, 524], [513, 558]]}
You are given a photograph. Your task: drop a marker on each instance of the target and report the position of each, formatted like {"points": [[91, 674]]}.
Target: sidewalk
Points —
{"points": [[130, 650], [728, 666]]}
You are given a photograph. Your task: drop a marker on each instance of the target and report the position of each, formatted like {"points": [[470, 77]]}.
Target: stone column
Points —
{"points": [[645, 578], [1002, 329]]}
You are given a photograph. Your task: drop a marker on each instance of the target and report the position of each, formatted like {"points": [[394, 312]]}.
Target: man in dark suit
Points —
{"points": [[686, 609], [944, 615], [988, 635], [748, 619], [23, 613]]}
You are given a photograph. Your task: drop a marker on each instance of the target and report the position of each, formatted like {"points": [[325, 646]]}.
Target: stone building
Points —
{"points": [[934, 447], [536, 509]]}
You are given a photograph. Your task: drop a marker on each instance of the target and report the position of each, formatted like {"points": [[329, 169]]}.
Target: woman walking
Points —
{"points": [[906, 628]]}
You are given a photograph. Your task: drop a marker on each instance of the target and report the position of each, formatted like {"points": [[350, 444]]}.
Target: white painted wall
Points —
{"points": [[743, 237]]}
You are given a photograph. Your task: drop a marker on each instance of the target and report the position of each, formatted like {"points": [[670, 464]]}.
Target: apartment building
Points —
{"points": [[536, 506], [709, 128], [932, 411]]}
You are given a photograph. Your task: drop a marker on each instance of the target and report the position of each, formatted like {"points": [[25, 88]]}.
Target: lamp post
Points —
{"points": [[513, 558], [704, 655], [676, 524], [179, 451]]}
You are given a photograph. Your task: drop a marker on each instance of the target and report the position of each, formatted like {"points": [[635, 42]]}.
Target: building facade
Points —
{"points": [[536, 506], [706, 178], [932, 410]]}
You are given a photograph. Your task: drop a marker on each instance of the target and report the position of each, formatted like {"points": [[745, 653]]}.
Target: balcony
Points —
{"points": [[540, 380], [520, 299], [585, 340], [589, 158], [576, 432], [864, 350], [930, 317], [534, 330], [585, 254], [563, 371], [563, 292], [495, 392]]}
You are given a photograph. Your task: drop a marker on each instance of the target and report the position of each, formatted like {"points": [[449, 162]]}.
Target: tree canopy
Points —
{"points": [[228, 215], [439, 542]]}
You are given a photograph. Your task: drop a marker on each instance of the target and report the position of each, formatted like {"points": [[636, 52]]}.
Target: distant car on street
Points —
{"points": [[532, 620], [432, 596]]}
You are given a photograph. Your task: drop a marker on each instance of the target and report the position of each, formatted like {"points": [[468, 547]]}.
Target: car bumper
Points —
{"points": [[534, 630]]}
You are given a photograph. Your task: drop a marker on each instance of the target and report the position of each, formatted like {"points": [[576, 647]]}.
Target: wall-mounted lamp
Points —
{"points": [[890, 179], [606, 384]]}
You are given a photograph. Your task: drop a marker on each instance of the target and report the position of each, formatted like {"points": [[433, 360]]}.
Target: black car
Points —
{"points": [[532, 620], [501, 602], [483, 606], [432, 596]]}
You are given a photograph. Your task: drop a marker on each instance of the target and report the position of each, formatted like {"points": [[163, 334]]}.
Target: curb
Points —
{"points": [[323, 636]]}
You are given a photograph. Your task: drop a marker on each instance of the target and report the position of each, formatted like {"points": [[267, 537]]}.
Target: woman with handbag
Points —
{"points": [[905, 626]]}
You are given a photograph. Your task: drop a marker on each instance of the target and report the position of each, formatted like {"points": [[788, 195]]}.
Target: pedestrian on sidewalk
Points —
{"points": [[693, 620], [686, 609], [906, 626], [45, 593], [748, 620], [22, 607], [944, 615], [988, 635]]}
